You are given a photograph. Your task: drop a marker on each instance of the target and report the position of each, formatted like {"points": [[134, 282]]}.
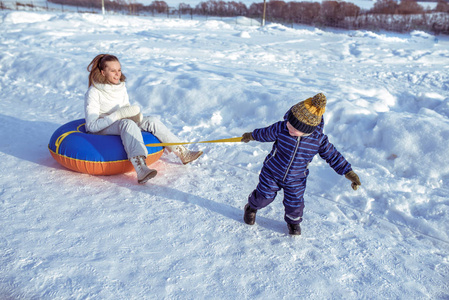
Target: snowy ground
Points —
{"points": [[67, 235]]}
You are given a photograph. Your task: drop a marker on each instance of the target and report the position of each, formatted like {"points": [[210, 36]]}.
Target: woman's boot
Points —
{"points": [[143, 172], [185, 154]]}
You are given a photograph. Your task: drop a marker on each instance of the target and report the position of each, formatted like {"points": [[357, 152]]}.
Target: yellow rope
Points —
{"points": [[229, 140]]}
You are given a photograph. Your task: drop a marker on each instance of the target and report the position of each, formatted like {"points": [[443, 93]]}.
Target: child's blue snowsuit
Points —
{"points": [[286, 167]]}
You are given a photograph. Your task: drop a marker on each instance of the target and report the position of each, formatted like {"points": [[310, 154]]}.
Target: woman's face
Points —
{"points": [[112, 72], [293, 131]]}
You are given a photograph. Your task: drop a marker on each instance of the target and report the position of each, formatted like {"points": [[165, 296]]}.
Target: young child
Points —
{"points": [[296, 141], [108, 112]]}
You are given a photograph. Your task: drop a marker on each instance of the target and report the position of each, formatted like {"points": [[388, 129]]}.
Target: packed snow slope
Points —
{"points": [[67, 235]]}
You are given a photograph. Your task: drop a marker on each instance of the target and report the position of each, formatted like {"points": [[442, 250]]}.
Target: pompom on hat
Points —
{"points": [[306, 115]]}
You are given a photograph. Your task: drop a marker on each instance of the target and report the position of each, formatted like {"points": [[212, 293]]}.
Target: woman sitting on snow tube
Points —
{"points": [[108, 112]]}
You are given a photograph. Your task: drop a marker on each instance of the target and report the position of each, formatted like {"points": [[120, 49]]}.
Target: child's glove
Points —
{"points": [[351, 175], [126, 112], [246, 137]]}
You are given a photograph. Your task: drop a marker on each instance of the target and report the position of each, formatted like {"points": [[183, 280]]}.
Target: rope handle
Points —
{"points": [[64, 135], [228, 140]]}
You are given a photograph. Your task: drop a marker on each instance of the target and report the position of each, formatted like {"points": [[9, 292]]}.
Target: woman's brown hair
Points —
{"points": [[97, 65]]}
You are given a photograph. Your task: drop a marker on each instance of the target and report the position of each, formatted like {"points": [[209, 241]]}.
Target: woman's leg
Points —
{"points": [[135, 148], [131, 136], [156, 127]]}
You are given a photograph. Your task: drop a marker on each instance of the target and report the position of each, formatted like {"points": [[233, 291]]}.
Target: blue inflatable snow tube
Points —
{"points": [[94, 154]]}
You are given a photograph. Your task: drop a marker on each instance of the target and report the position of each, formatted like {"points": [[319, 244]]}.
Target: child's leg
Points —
{"points": [[265, 192], [261, 197], [294, 202], [131, 136]]}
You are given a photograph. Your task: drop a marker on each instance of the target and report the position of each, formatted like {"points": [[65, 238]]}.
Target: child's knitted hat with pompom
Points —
{"points": [[306, 115]]}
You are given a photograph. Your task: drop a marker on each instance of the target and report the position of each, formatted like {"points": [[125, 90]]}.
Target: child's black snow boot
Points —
{"points": [[294, 229], [250, 215]]}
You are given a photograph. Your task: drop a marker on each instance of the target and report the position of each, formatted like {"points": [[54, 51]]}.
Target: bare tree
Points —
{"points": [[409, 7], [384, 7]]}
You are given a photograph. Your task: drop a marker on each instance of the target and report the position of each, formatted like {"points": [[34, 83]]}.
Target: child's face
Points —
{"points": [[293, 131], [112, 72]]}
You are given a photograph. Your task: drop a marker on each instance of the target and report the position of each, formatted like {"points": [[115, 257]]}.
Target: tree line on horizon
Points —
{"points": [[402, 16]]}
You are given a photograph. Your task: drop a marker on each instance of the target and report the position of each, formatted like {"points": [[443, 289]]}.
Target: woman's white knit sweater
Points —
{"points": [[100, 103]]}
